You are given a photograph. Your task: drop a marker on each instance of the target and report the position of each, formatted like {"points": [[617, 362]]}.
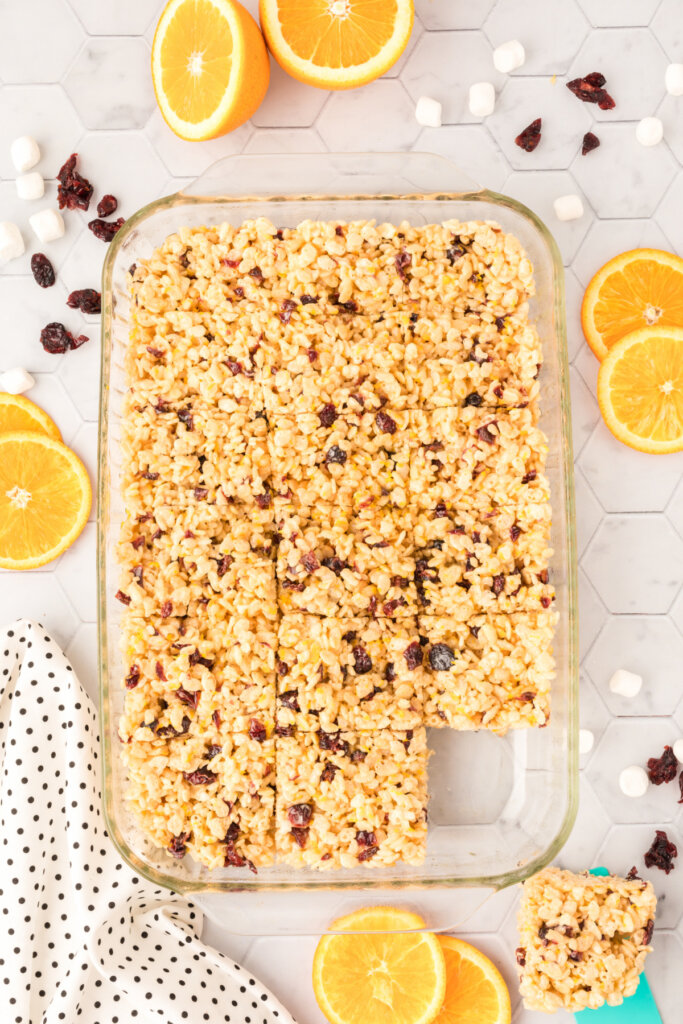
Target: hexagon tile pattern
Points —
{"points": [[81, 83]]}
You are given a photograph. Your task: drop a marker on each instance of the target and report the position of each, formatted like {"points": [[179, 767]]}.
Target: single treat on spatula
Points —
{"points": [[583, 939]]}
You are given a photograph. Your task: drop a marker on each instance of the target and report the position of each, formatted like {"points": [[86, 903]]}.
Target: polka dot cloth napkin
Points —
{"points": [[82, 939]]}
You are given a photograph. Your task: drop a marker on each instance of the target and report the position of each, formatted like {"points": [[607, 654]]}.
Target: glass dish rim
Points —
{"points": [[476, 194]]}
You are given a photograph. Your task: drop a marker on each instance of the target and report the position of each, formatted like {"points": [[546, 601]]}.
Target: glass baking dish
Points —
{"points": [[500, 808]]}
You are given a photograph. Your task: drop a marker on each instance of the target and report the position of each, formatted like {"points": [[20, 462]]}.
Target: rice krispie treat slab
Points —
{"points": [[348, 673], [476, 458], [584, 939], [489, 671], [348, 460], [338, 563], [212, 795], [347, 799]]}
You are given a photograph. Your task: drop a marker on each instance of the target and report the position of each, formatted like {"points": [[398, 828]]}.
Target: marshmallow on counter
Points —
{"points": [[586, 741], [11, 242], [25, 153], [428, 112], [508, 56], [482, 99], [625, 683], [678, 750], [633, 781], [47, 225], [30, 186], [16, 381], [649, 131], [674, 79], [568, 207]]}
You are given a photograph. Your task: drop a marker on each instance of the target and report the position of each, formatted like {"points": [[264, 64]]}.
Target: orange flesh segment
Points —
{"points": [[471, 998], [332, 41], [645, 292], [646, 389], [197, 33]]}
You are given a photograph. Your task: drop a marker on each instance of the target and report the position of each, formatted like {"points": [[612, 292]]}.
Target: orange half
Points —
{"points": [[640, 390], [476, 992], [45, 499], [336, 44], [640, 288], [389, 974], [209, 67]]}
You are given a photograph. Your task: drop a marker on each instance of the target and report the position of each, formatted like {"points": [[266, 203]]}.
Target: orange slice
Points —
{"points": [[209, 67], [640, 288], [475, 990], [390, 975], [640, 390], [336, 44], [17, 413], [45, 499]]}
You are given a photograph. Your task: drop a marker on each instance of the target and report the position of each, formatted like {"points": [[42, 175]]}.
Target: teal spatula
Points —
{"points": [[640, 1008]]}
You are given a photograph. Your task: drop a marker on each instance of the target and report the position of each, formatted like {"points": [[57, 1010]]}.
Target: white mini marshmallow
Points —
{"points": [[482, 99], [674, 79], [11, 242], [47, 225], [678, 750], [633, 781], [586, 741], [625, 683], [16, 381], [428, 112], [649, 131], [568, 207], [508, 56], [25, 153], [30, 186]]}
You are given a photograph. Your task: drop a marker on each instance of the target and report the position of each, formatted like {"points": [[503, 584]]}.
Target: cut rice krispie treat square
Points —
{"points": [[496, 561], [211, 794], [490, 671], [180, 456], [583, 939], [348, 673], [350, 799], [339, 367], [332, 562], [349, 460], [476, 458]]}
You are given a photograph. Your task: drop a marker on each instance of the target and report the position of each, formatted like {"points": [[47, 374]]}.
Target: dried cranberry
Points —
{"points": [[213, 751], [515, 532], [87, 300], [257, 731], [235, 367], [55, 339], [590, 90], [440, 512], [498, 584], [402, 262], [441, 657], [232, 857], [633, 874], [282, 667], [188, 697], [413, 655], [300, 815], [312, 355], [224, 564], [520, 955], [74, 191], [288, 307], [133, 677], [456, 251], [368, 853], [310, 561], [364, 838], [185, 416], [327, 415], [486, 435], [349, 307], [42, 270], [661, 854], [233, 833], [265, 499], [178, 845], [200, 777], [647, 934], [105, 229], [590, 142], [530, 137], [362, 662], [107, 205], [300, 836], [385, 423], [307, 300], [474, 399], [328, 773], [256, 273], [159, 669], [166, 609], [335, 454], [216, 719], [123, 598], [290, 699], [664, 768], [335, 564]]}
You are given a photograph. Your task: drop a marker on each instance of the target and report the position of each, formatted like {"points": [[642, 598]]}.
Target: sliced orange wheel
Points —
{"points": [[640, 390], [17, 413], [336, 44], [640, 288], [45, 499], [209, 67], [388, 975], [475, 990]]}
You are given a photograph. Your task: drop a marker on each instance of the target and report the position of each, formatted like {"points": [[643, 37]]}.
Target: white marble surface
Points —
{"points": [[75, 74]]}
